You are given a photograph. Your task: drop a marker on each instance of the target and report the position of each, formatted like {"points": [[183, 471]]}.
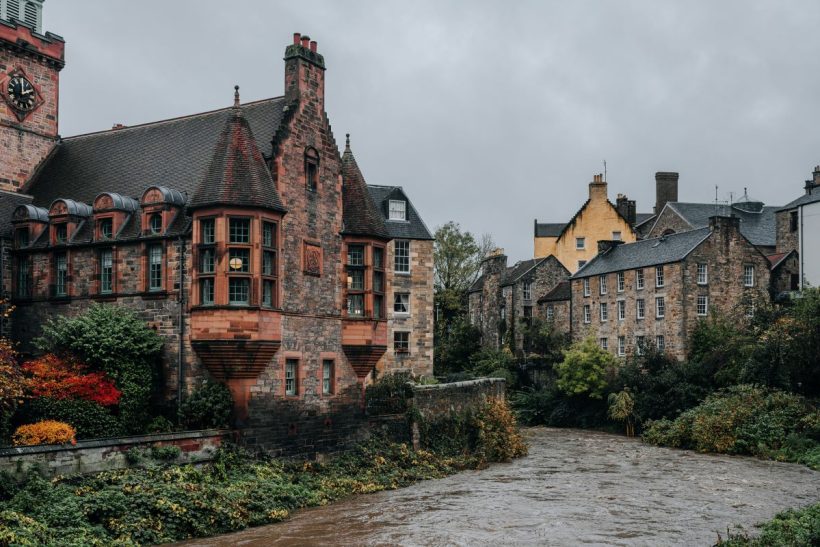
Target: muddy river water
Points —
{"points": [[575, 487]]}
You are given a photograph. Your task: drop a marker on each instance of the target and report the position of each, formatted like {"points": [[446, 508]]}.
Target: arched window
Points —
{"points": [[311, 169], [668, 231]]}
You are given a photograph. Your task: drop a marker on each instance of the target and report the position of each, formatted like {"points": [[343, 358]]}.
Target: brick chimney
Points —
{"points": [[724, 224], [494, 263], [626, 207], [597, 188], [304, 71], [814, 183], [606, 244], [666, 189]]}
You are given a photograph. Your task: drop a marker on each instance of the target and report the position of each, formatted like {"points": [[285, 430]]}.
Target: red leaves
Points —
{"points": [[58, 378]]}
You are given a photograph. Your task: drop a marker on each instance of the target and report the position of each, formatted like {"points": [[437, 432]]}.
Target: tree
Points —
{"points": [[584, 369]]}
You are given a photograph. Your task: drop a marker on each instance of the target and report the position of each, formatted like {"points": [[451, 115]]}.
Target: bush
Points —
{"points": [[89, 419], [160, 424], [208, 406], [498, 439], [389, 394], [791, 527], [57, 378], [534, 406], [46, 432], [585, 369], [11, 386], [165, 453]]}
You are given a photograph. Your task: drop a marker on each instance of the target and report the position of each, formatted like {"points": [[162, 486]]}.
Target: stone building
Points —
{"points": [[575, 242], [798, 224], [503, 298], [654, 291], [554, 307], [241, 235]]}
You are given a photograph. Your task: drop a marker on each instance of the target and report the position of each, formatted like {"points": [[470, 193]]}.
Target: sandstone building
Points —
{"points": [[241, 235]]}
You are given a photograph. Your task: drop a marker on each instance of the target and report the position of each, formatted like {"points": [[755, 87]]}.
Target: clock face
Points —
{"points": [[21, 93]]}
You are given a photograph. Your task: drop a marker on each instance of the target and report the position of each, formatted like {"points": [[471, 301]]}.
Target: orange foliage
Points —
{"points": [[52, 376], [45, 432]]}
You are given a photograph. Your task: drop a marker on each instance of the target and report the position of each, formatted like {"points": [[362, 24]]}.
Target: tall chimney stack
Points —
{"points": [[597, 188], [666, 189]]}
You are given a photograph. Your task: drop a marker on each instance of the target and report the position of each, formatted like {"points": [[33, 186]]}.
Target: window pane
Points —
{"points": [[155, 267], [398, 210], [355, 255], [206, 286], [207, 263], [402, 258], [269, 234], [356, 279], [659, 276], [208, 232], [23, 282], [401, 303], [268, 263], [401, 342], [239, 260], [106, 271], [239, 230], [238, 290], [378, 258], [61, 233], [327, 376], [267, 294], [61, 268], [106, 228], [155, 223], [378, 306], [639, 279], [355, 305], [291, 371]]}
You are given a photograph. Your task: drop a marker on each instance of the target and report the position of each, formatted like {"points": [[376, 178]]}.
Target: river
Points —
{"points": [[575, 487]]}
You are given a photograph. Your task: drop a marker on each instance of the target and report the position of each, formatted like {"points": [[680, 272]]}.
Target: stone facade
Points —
{"points": [[724, 252], [668, 222]]}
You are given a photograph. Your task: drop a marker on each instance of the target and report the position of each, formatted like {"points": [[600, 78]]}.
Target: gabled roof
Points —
{"points": [[237, 174], [543, 229], [647, 252], [175, 153], [477, 285], [805, 199], [561, 292], [412, 228], [9, 201], [759, 228], [361, 216], [777, 259], [640, 218], [519, 269]]}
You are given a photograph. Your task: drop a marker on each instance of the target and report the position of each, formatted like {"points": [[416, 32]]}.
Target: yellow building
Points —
{"points": [[576, 242]]}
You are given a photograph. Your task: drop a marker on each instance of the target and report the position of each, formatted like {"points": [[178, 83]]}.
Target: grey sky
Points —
{"points": [[488, 113]]}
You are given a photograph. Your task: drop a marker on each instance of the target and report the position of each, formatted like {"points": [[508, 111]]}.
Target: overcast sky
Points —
{"points": [[490, 114]]}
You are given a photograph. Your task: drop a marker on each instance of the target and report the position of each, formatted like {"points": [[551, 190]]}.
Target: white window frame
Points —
{"points": [[602, 284], [550, 312], [748, 275], [604, 311], [527, 290], [703, 274], [327, 376], [703, 306], [639, 279], [659, 277], [405, 245], [621, 346], [604, 344], [640, 308], [397, 209], [621, 310], [660, 342], [660, 307], [291, 377], [587, 290], [587, 314], [401, 299], [616, 236], [580, 243]]}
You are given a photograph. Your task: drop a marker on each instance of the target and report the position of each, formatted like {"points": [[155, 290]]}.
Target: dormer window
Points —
{"points": [[397, 209], [61, 233], [155, 223], [106, 227], [311, 169], [21, 238]]}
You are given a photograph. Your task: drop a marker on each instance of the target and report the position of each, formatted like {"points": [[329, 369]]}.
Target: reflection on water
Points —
{"points": [[575, 487]]}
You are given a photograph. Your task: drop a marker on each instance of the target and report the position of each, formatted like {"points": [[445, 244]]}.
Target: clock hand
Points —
{"points": [[27, 92]]}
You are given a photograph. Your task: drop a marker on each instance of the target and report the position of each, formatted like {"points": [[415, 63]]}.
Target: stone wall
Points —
{"points": [[560, 314], [668, 220], [544, 277], [444, 399], [786, 237], [93, 456]]}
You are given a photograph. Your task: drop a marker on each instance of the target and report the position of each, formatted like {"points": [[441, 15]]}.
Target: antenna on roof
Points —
{"points": [[236, 96], [604, 170]]}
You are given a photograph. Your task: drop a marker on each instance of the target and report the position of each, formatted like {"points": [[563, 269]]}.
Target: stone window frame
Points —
{"points": [[587, 314], [291, 383], [660, 343], [401, 299], [640, 309], [328, 376], [587, 289], [401, 341], [526, 290], [602, 284], [153, 274], [401, 259], [660, 307], [640, 280], [621, 310], [702, 305], [621, 346], [397, 209], [311, 169], [239, 240], [703, 273], [604, 312], [269, 263], [103, 276], [356, 268], [61, 288], [550, 312], [660, 281], [22, 278], [580, 243], [621, 282], [748, 275]]}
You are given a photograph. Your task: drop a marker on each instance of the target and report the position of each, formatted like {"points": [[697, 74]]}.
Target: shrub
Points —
{"points": [[534, 406], [11, 386], [489, 361], [160, 424], [208, 406], [165, 453], [58, 378], [791, 527], [389, 394], [498, 439], [46, 432], [89, 419], [585, 369]]}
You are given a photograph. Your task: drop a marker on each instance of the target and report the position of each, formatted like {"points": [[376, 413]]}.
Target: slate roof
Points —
{"points": [[9, 201], [805, 199], [412, 228], [237, 174], [517, 270], [777, 259], [175, 153], [759, 228], [640, 218], [477, 285], [361, 216], [543, 229], [561, 292], [647, 252]]}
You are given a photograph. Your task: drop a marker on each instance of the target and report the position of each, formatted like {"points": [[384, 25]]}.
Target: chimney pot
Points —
{"points": [[313, 45], [305, 41], [666, 189], [296, 38]]}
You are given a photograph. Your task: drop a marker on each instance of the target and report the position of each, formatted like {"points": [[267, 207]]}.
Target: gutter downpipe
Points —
{"points": [[181, 349]]}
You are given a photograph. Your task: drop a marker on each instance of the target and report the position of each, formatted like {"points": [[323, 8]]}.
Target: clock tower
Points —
{"points": [[30, 64]]}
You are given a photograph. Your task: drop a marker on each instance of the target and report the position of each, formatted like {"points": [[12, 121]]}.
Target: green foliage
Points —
{"points": [[208, 406], [488, 361], [456, 258], [89, 419], [114, 340], [389, 394], [791, 527], [585, 369], [457, 341], [543, 340], [160, 424], [742, 420], [134, 456], [622, 409], [165, 453]]}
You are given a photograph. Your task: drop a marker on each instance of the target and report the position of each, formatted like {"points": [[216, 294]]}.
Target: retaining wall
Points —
{"points": [[443, 399]]}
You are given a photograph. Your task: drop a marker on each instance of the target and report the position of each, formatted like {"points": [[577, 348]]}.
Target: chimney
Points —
{"points": [[118, 126], [597, 188], [724, 224], [304, 70], [666, 189], [494, 263], [626, 207], [814, 182], [605, 245]]}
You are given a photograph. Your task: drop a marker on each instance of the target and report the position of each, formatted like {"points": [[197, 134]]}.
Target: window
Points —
{"points": [[621, 310], [658, 276], [703, 305], [604, 344], [402, 257], [239, 289], [60, 274], [311, 169], [604, 312], [621, 282], [660, 307], [355, 255], [660, 343], [550, 312], [327, 376], [155, 268], [291, 377], [355, 305], [239, 230], [587, 314], [397, 209], [616, 236], [207, 261], [106, 271], [106, 226], [503, 312], [239, 260], [61, 233], [207, 231], [621, 346], [602, 283], [206, 291], [639, 279], [703, 274], [527, 290], [581, 264], [401, 342], [640, 308], [750, 310], [378, 283], [355, 280], [748, 276], [528, 315], [580, 243], [155, 223], [267, 293], [401, 303], [269, 266], [640, 343], [793, 221], [587, 291], [23, 288], [21, 238]]}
